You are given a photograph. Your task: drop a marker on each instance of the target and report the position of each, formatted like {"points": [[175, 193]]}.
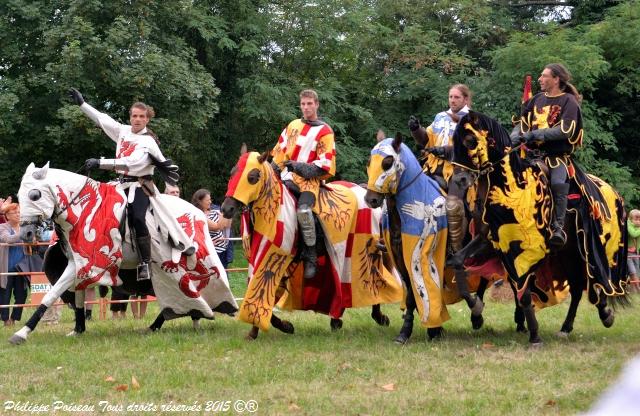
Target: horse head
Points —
{"points": [[479, 141], [37, 200], [247, 182], [384, 170]]}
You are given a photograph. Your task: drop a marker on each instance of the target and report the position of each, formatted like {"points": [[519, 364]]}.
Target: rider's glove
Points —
{"points": [[91, 164], [414, 123], [76, 97]]}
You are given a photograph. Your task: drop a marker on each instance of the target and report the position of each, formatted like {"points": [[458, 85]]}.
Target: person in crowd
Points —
{"points": [[4, 203], [306, 155], [118, 310], [10, 256], [633, 261], [225, 252], [380, 136], [172, 190], [216, 222]]}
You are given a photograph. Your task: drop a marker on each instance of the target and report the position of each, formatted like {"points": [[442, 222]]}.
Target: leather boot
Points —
{"points": [[558, 236], [144, 254], [309, 260]]}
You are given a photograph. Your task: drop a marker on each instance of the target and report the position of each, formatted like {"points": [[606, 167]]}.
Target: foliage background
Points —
{"points": [[220, 73]]}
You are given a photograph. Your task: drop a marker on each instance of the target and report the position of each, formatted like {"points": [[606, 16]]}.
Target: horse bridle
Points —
{"points": [[57, 214]]}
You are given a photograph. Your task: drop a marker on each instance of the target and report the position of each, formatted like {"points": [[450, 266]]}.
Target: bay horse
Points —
{"points": [[94, 238], [516, 206], [415, 229], [350, 267]]}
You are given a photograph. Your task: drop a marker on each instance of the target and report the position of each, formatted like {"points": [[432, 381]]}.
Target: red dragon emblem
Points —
{"points": [[126, 148], [200, 274], [97, 201]]}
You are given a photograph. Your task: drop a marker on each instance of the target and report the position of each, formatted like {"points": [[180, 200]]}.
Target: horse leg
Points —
{"points": [[473, 302], [407, 326], [518, 313], [80, 315], [474, 246], [252, 334], [377, 315], [434, 334], [64, 282], [336, 323], [407, 323], [157, 324], [567, 325], [284, 326], [606, 315], [530, 316], [196, 323]]}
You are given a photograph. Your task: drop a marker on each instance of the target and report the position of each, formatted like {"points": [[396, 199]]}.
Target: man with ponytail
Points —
{"points": [[551, 121], [137, 156]]}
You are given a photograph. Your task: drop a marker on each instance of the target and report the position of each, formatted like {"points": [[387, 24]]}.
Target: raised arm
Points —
{"points": [[102, 120]]}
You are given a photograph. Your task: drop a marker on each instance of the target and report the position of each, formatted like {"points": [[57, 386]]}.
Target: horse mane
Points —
{"points": [[498, 141]]}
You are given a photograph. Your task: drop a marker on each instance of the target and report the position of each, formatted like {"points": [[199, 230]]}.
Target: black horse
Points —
{"points": [[516, 206]]}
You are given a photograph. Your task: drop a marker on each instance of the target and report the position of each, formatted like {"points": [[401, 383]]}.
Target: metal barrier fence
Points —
{"points": [[102, 302]]}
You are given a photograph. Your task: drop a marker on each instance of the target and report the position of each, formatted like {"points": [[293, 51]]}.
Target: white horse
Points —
{"points": [[94, 236]]}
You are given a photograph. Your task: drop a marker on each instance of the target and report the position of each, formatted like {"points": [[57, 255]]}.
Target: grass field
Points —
{"points": [[356, 371]]}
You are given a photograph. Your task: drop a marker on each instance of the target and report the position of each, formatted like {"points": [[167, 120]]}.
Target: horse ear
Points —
{"points": [[31, 166], [243, 149], [41, 173], [264, 156], [473, 115], [397, 141]]}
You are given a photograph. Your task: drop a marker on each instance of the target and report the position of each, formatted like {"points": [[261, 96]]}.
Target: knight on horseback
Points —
{"points": [[551, 122], [436, 140], [137, 155], [305, 155]]}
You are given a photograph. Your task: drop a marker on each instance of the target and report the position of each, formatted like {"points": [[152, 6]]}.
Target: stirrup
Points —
{"points": [[144, 273], [558, 238]]}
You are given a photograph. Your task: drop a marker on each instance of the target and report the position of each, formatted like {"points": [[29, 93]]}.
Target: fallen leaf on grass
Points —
{"points": [[109, 379], [344, 366], [134, 383], [122, 387], [293, 406], [389, 387], [550, 402], [487, 345]]}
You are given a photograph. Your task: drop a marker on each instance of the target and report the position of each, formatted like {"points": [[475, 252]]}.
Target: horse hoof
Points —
{"points": [[478, 307], [252, 334], [16, 339], [434, 334], [562, 335], [73, 333], [381, 319], [535, 345], [401, 339], [336, 324], [608, 321], [477, 322], [521, 329], [286, 327]]}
